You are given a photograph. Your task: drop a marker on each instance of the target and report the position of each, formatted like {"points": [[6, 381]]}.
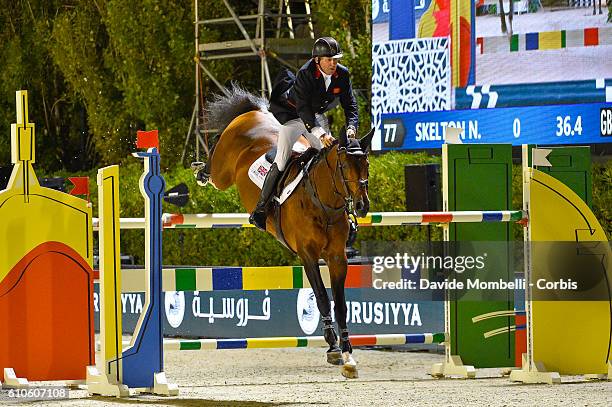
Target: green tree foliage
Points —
{"points": [[348, 21], [63, 139], [129, 63], [602, 194], [99, 70]]}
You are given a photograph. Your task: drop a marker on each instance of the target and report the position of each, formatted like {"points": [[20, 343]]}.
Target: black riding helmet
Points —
{"points": [[326, 47]]}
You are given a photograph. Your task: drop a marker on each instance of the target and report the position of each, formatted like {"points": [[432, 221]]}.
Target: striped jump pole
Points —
{"points": [[241, 220], [426, 218], [301, 342]]}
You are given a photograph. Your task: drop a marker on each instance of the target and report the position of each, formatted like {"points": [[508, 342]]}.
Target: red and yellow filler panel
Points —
{"points": [[46, 280], [565, 337]]}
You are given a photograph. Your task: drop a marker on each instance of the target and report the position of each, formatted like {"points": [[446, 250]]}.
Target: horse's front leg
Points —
{"points": [[334, 355], [337, 271]]}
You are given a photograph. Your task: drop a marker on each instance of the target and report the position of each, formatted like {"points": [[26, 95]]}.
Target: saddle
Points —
{"points": [[300, 160], [285, 186], [288, 182]]}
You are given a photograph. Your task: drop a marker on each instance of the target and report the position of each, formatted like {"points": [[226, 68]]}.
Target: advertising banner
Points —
{"points": [[239, 314]]}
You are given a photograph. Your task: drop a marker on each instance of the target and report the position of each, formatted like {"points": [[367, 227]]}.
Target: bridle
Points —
{"points": [[345, 194], [335, 214], [363, 182]]}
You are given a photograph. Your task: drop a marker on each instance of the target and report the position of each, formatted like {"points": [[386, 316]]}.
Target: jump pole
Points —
{"points": [[240, 220]]}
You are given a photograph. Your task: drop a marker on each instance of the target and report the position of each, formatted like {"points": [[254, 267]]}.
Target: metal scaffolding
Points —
{"points": [[271, 32]]}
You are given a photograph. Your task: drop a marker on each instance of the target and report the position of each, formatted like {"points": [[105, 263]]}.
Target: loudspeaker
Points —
{"points": [[422, 183]]}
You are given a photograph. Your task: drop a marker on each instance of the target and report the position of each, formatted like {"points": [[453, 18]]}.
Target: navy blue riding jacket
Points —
{"points": [[305, 96]]}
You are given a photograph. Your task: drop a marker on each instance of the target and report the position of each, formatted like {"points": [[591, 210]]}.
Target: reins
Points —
{"points": [[332, 213]]}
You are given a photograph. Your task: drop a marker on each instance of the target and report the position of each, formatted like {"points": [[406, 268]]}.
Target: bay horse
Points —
{"points": [[314, 219]]}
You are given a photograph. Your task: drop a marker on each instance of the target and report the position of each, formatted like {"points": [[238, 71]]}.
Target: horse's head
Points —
{"points": [[354, 170]]}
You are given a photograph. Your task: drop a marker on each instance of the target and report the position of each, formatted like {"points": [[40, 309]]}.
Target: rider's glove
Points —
{"points": [[318, 132]]}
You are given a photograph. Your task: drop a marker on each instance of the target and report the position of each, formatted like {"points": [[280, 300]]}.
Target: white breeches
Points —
{"points": [[290, 132]]}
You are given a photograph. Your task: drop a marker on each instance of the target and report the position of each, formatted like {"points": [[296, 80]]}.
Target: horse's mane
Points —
{"points": [[224, 108]]}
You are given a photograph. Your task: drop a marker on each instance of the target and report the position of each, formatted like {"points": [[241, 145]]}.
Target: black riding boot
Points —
{"points": [[259, 215]]}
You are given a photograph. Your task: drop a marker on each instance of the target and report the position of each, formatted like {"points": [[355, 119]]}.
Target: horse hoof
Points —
{"points": [[334, 358], [350, 372], [349, 366]]}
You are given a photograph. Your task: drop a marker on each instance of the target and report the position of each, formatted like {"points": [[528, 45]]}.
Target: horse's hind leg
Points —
{"points": [[337, 271], [334, 355]]}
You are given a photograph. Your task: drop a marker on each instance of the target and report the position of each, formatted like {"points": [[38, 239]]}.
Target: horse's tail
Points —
{"points": [[225, 108]]}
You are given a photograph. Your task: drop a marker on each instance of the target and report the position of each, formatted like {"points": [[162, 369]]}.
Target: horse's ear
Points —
{"points": [[343, 138], [366, 140]]}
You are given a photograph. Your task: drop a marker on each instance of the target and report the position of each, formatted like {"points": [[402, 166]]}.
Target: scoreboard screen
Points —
{"points": [[528, 72]]}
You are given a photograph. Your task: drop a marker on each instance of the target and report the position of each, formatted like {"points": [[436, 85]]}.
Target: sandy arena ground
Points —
{"points": [[299, 377]]}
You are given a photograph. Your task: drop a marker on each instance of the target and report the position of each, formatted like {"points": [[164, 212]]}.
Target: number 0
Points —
{"points": [[516, 128]]}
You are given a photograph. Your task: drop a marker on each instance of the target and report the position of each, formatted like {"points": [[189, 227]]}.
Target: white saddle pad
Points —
{"points": [[259, 169]]}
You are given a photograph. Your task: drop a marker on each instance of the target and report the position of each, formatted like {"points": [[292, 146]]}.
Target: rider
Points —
{"points": [[320, 84]]}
